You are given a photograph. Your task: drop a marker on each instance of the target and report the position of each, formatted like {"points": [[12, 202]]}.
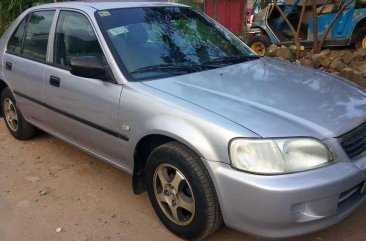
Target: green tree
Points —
{"points": [[10, 9]]}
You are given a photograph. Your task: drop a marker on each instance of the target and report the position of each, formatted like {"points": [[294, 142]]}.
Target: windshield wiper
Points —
{"points": [[188, 68], [232, 59]]}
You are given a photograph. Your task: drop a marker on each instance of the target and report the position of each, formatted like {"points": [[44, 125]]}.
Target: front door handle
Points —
{"points": [[8, 66], [55, 81]]}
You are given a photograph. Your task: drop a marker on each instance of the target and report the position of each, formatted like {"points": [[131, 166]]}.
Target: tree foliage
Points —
{"points": [[10, 9]]}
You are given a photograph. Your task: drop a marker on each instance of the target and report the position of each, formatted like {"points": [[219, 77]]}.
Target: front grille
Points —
{"points": [[350, 197], [354, 142]]}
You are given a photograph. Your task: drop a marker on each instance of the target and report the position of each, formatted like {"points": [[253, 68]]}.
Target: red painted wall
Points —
{"points": [[229, 13]]}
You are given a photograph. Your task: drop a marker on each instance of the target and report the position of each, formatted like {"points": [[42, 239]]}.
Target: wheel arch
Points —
{"points": [[144, 147], [262, 30], [360, 24], [142, 150], [167, 130], [265, 32], [3, 85]]}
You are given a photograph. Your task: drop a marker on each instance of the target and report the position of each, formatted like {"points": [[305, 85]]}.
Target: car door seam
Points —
{"points": [[76, 118]]}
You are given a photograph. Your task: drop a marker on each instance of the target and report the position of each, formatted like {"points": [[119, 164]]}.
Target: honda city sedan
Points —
{"points": [[214, 133]]}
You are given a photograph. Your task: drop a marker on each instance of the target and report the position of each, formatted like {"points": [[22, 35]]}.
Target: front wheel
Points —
{"points": [[360, 38], [259, 44], [181, 192]]}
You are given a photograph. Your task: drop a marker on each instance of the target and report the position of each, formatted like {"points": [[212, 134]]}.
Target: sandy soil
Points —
{"points": [[91, 200]]}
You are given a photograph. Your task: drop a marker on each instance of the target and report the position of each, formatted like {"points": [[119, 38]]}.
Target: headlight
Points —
{"points": [[279, 156]]}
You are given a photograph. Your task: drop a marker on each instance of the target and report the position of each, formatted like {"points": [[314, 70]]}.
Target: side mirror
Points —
{"points": [[88, 67]]}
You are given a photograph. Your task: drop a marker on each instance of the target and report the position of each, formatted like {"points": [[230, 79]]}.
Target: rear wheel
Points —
{"points": [[181, 192], [360, 38], [14, 119], [259, 44]]}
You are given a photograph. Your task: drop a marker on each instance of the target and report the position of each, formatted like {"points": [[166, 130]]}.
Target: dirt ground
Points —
{"points": [[46, 184]]}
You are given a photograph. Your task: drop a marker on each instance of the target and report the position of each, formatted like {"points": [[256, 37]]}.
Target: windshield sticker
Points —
{"points": [[118, 31], [104, 13]]}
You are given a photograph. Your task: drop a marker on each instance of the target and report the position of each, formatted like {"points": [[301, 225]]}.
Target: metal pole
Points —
{"points": [[301, 17], [215, 9]]}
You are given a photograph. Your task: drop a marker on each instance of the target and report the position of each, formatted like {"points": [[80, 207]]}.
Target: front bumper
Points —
{"points": [[288, 205]]}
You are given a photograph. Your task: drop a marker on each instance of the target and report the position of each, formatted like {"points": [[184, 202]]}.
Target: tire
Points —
{"points": [[259, 44], [14, 120], [360, 38], [173, 161]]}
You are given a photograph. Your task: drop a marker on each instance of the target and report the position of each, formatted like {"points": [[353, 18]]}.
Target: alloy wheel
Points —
{"points": [[174, 194], [11, 114]]}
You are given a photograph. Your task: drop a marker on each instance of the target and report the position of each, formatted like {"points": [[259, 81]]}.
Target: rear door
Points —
{"points": [[25, 61], [82, 110], [339, 30]]}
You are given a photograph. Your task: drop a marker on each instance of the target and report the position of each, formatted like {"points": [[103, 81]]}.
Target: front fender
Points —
{"points": [[264, 30], [148, 111], [359, 18], [184, 132]]}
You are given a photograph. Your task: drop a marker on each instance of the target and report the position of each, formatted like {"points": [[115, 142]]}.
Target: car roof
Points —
{"points": [[106, 4]]}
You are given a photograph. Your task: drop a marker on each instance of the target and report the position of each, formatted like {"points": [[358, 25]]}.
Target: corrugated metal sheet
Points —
{"points": [[227, 12]]}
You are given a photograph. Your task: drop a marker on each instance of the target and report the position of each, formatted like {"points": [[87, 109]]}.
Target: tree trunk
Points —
{"points": [[301, 17], [245, 18], [215, 9], [315, 27], [296, 36]]}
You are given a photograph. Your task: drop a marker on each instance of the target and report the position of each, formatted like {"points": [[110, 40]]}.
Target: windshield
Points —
{"points": [[159, 42]]}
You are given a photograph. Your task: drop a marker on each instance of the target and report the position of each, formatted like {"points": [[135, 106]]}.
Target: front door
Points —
{"points": [[82, 110]]}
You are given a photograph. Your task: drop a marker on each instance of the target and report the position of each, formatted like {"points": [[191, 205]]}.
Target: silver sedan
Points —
{"points": [[213, 132]]}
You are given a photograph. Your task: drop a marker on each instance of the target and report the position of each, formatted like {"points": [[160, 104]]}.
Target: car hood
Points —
{"points": [[273, 98]]}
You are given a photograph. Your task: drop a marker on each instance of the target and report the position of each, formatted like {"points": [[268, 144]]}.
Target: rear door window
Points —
{"points": [[36, 36], [16, 40]]}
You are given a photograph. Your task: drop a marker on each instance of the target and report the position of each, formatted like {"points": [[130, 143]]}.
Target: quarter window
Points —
{"points": [[36, 37], [74, 37], [16, 40]]}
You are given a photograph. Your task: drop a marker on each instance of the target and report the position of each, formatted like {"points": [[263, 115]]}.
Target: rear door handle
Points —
{"points": [[55, 81], [8, 66]]}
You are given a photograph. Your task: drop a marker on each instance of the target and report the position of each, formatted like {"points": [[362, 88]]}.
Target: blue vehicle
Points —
{"points": [[269, 27]]}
